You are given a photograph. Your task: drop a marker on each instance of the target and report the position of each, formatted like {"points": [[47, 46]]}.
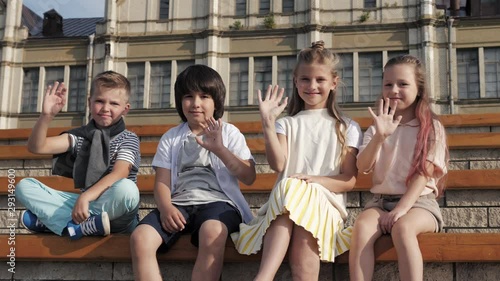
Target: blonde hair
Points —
{"points": [[318, 54], [111, 80]]}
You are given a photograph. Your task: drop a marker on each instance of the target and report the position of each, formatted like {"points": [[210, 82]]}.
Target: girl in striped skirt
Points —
{"points": [[314, 151]]}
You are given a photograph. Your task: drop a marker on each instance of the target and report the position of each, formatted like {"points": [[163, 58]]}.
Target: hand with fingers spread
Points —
{"points": [[212, 135], [54, 99], [385, 123], [172, 219], [271, 105]]}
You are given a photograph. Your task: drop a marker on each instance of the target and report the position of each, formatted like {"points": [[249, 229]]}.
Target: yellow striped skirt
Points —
{"points": [[308, 207]]}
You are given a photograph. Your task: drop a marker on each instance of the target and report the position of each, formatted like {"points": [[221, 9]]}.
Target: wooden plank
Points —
{"points": [[115, 247], [257, 146], [255, 127], [435, 247], [473, 141], [457, 180], [470, 120]]}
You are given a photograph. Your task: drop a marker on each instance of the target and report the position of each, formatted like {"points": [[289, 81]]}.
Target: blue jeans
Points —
{"points": [[53, 208]]}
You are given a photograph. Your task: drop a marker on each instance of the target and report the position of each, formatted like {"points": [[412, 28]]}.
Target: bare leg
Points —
{"points": [[144, 242], [304, 255], [212, 244], [404, 236], [361, 255], [275, 246]]}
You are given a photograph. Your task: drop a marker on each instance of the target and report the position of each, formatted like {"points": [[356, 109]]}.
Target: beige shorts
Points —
{"points": [[427, 202]]}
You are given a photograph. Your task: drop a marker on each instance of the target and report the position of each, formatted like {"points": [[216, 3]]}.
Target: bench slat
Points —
{"points": [[255, 127], [257, 146], [435, 247], [457, 179]]}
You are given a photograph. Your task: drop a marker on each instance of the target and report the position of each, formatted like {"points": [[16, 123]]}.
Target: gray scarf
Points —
{"points": [[92, 161]]}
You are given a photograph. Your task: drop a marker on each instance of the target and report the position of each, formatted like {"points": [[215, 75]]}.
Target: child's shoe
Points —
{"points": [[31, 222], [97, 225]]}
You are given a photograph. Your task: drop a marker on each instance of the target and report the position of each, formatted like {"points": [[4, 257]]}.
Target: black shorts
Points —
{"points": [[195, 216]]}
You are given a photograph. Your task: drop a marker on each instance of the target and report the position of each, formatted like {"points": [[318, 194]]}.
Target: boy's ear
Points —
{"points": [[126, 110]]}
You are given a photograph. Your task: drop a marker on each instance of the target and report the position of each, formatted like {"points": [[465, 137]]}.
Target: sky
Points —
{"points": [[68, 8]]}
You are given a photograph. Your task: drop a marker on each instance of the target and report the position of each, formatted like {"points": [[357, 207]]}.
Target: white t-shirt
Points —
{"points": [[314, 147], [168, 151]]}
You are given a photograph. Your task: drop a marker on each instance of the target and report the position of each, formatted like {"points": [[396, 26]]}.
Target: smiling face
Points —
{"points": [[197, 107], [108, 105], [314, 82], [400, 84]]}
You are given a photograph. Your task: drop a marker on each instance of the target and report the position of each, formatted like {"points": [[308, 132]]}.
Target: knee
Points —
{"points": [[23, 186], [125, 190], [402, 231], [139, 242], [214, 233]]}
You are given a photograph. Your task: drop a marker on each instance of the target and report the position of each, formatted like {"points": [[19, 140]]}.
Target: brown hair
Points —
{"points": [[112, 80], [200, 78]]}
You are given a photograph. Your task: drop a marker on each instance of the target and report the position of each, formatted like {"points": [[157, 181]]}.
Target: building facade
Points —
{"points": [[251, 43]]}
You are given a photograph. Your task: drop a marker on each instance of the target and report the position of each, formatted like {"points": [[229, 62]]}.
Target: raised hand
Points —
{"points": [[54, 99], [384, 121], [212, 133], [271, 106]]}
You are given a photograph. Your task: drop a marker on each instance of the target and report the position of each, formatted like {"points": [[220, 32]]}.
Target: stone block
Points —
{"points": [[472, 230], [146, 160], [146, 171], [473, 197], [144, 212], [256, 200], [147, 201], [468, 130], [260, 159], [5, 165], [458, 165], [176, 271], [38, 163], [478, 271], [263, 169], [248, 270], [465, 217], [475, 154], [34, 173], [389, 272], [353, 199], [63, 271], [352, 215], [9, 219], [478, 165], [494, 218], [146, 139]]}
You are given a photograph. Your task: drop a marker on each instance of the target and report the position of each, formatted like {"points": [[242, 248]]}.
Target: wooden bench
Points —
{"points": [[440, 247], [255, 127], [435, 247], [257, 146], [457, 179]]}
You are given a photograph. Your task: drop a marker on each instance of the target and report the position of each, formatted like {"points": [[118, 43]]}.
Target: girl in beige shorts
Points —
{"points": [[405, 150]]}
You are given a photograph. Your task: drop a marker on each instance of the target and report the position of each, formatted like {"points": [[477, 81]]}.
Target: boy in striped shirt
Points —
{"points": [[102, 157]]}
